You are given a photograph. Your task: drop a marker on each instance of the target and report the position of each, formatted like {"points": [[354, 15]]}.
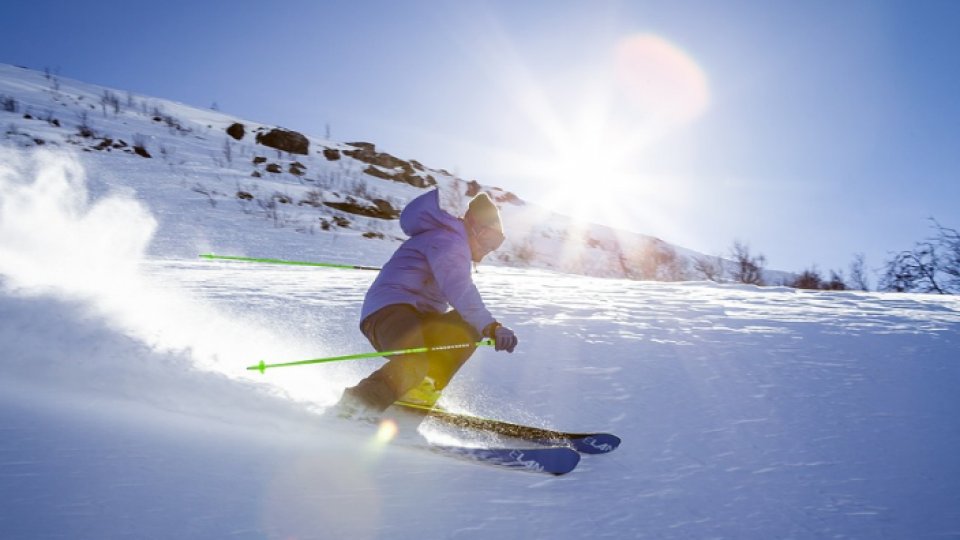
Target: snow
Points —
{"points": [[126, 410], [197, 171]]}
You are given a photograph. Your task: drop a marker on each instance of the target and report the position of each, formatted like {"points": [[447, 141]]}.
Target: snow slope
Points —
{"points": [[126, 411], [206, 189]]}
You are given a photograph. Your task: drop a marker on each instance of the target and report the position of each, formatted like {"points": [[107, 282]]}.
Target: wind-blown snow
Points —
{"points": [[126, 409]]}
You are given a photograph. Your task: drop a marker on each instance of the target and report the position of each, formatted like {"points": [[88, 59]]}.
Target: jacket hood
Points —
{"points": [[424, 214]]}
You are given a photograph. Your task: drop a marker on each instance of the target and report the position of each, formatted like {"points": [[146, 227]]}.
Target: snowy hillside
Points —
{"points": [[126, 410], [212, 178]]}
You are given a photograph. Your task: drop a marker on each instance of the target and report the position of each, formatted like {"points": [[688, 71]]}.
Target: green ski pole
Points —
{"points": [[262, 366], [282, 261]]}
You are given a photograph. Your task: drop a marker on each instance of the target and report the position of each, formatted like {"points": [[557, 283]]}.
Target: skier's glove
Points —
{"points": [[504, 339]]}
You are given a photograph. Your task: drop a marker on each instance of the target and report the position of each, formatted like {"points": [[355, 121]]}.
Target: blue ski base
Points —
{"points": [[554, 460]]}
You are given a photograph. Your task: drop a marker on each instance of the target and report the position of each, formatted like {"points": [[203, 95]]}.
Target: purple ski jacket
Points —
{"points": [[431, 270]]}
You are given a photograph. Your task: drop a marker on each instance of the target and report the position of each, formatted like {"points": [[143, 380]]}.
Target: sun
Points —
{"points": [[588, 174], [592, 165], [594, 136]]}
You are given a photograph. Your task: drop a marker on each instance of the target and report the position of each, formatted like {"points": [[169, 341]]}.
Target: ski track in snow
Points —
{"points": [[745, 412]]}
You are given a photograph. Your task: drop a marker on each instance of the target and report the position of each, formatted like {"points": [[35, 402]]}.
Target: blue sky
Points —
{"points": [[810, 130]]}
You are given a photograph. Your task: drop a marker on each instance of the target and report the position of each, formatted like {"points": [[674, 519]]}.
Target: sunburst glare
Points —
{"points": [[598, 141]]}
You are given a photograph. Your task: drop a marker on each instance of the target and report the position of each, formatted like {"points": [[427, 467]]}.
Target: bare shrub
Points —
{"points": [[808, 279], [709, 268], [199, 188], [273, 212], [360, 188], [50, 119], [932, 266], [84, 127], [312, 198], [525, 251], [748, 268], [813, 280], [835, 283], [9, 104], [913, 271], [949, 240], [109, 100], [228, 151], [140, 145], [858, 274]]}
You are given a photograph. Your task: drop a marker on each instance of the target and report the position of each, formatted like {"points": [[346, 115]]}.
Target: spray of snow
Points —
{"points": [[57, 242], [53, 240]]}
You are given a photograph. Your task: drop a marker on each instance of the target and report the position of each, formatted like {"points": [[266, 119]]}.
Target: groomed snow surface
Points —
{"points": [[126, 410]]}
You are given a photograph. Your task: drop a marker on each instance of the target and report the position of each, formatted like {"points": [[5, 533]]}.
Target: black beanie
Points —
{"points": [[483, 212]]}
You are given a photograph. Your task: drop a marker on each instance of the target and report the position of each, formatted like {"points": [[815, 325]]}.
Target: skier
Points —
{"points": [[406, 307]]}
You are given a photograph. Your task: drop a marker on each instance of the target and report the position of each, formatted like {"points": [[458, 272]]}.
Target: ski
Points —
{"points": [[586, 443], [549, 459], [554, 460]]}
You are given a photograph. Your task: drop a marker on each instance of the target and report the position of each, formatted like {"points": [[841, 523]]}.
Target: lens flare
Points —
{"points": [[661, 80], [387, 431]]}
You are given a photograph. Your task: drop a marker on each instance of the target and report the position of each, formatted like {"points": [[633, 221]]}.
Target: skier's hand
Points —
{"points": [[504, 339]]}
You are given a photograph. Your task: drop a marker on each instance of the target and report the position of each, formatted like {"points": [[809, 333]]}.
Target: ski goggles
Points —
{"points": [[489, 238]]}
